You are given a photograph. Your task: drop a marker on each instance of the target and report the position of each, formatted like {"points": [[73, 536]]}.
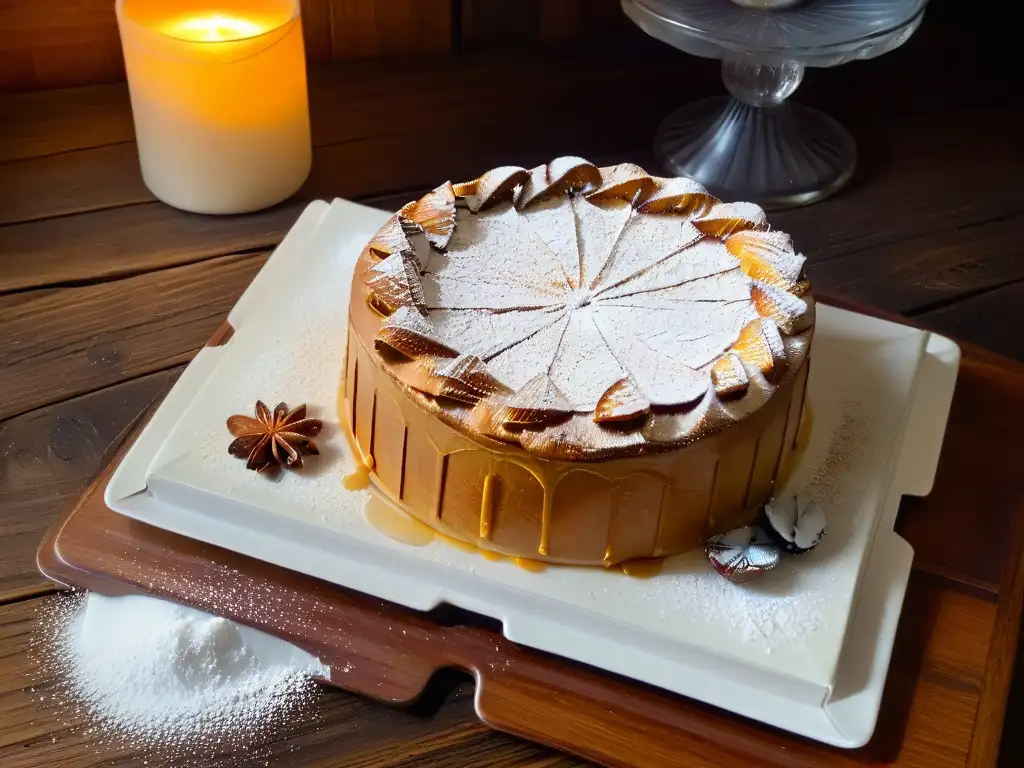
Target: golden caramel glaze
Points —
{"points": [[523, 470]]}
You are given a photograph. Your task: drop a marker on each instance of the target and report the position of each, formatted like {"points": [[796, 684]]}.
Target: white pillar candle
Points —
{"points": [[218, 90]]}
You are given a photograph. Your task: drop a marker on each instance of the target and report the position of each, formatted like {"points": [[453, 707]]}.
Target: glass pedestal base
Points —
{"points": [[758, 146], [777, 156]]}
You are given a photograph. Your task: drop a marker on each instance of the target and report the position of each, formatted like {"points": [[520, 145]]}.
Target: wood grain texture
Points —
{"points": [[919, 196], [352, 102], [92, 117], [355, 99], [49, 456], [349, 104], [1002, 653], [992, 319], [58, 44], [120, 329], [927, 271], [316, 29], [372, 28], [71, 182], [123, 241]]}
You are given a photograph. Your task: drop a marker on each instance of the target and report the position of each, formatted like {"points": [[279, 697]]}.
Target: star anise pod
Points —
{"points": [[278, 438]]}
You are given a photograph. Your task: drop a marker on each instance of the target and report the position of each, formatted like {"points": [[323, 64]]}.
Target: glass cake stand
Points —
{"points": [[756, 145]]}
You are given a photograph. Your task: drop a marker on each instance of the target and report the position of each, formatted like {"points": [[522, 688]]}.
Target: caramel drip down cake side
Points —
{"points": [[499, 498], [577, 365]]}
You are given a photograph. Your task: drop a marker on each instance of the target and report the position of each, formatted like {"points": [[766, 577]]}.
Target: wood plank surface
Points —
{"points": [[58, 43], [30, 123], [119, 329], [1002, 653], [373, 28], [923, 272], [419, 158], [49, 456], [992, 319], [74, 181], [125, 241], [453, 100], [918, 196]]}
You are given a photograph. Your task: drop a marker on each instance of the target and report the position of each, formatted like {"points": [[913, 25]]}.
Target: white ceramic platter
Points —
{"points": [[806, 649]]}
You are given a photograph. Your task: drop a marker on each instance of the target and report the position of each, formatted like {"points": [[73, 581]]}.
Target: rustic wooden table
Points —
{"points": [[105, 294]]}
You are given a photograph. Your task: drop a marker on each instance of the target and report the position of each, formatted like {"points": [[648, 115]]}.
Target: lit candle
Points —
{"points": [[218, 91]]}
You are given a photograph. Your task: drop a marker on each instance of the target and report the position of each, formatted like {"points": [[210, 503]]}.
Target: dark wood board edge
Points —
{"points": [[1002, 655], [222, 335]]}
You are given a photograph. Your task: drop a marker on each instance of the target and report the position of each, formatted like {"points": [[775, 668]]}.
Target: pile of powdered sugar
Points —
{"points": [[150, 673]]}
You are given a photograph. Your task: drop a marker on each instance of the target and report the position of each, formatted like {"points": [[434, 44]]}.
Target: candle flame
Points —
{"points": [[214, 28]]}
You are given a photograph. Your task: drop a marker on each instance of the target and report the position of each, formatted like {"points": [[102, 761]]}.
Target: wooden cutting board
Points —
{"points": [[944, 699]]}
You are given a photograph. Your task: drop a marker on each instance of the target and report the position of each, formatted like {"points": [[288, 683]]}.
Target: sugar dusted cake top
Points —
{"points": [[586, 312]]}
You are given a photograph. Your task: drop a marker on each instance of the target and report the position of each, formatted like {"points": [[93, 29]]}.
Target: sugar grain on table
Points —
{"points": [[150, 673]]}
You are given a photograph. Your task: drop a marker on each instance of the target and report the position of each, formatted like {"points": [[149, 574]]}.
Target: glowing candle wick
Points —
{"points": [[215, 28]]}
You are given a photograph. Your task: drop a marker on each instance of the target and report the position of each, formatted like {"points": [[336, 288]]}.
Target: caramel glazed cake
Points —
{"points": [[578, 364]]}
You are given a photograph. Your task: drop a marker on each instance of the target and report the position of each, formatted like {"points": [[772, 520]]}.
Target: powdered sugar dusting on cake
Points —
{"points": [[646, 241], [534, 355], [587, 294], [584, 367], [664, 379], [684, 332], [554, 222], [486, 334], [692, 275], [494, 263], [580, 274], [599, 229]]}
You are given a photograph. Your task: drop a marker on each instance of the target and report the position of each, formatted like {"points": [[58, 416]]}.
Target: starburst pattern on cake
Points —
{"points": [[568, 289]]}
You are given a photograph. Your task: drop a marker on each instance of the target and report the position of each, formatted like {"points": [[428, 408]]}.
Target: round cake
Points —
{"points": [[577, 364]]}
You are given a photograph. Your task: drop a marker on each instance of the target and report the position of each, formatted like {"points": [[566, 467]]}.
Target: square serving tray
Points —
{"points": [[806, 649]]}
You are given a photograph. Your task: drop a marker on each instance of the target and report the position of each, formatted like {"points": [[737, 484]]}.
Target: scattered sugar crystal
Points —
{"points": [[169, 680]]}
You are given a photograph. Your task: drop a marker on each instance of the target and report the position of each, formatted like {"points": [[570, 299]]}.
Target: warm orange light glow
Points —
{"points": [[218, 91], [214, 28]]}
